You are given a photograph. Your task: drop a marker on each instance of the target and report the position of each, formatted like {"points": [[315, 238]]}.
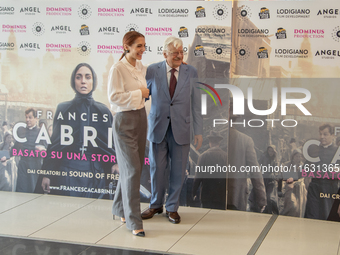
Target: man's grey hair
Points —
{"points": [[176, 42]]}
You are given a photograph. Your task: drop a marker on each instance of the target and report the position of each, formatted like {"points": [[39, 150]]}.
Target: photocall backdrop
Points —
{"points": [[42, 42]]}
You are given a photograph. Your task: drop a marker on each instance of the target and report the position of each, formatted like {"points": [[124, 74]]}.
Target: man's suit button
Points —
{"points": [[168, 117], [171, 104]]}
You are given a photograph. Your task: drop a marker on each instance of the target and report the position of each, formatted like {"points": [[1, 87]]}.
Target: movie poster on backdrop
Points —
{"points": [[297, 43], [65, 146]]}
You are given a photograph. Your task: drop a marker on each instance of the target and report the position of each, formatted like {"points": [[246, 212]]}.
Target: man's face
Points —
{"points": [[30, 120], [326, 137], [297, 158], [271, 151], [173, 56]]}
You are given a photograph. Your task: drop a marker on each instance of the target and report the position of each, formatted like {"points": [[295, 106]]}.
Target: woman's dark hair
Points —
{"points": [[129, 38], [73, 76]]}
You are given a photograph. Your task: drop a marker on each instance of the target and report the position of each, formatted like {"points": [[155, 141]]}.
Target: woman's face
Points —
{"points": [[137, 48], [84, 80]]}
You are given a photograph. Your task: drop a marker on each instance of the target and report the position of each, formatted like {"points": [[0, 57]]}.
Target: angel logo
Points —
{"points": [[84, 11], [84, 48], [132, 27], [220, 12], [262, 53], [200, 12], [264, 13], [38, 28], [204, 97], [336, 34], [243, 12]]}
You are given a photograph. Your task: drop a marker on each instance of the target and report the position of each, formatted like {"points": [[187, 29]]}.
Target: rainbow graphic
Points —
{"points": [[209, 93]]}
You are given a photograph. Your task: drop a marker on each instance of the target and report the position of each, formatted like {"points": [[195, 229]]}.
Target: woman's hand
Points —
{"points": [[145, 92]]}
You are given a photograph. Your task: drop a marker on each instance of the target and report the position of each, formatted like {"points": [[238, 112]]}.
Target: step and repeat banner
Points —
{"points": [[268, 82], [41, 44]]}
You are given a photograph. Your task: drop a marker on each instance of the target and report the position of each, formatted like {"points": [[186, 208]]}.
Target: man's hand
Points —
{"points": [[45, 184], [40, 148], [290, 180], [3, 160], [198, 141]]}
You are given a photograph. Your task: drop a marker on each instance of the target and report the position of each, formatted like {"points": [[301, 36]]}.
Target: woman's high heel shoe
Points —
{"points": [[141, 233], [122, 220]]}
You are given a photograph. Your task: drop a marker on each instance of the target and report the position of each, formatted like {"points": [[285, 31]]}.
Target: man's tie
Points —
{"points": [[173, 82]]}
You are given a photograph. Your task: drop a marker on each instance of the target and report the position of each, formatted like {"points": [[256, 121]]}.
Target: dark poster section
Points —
{"points": [[213, 66], [304, 149]]}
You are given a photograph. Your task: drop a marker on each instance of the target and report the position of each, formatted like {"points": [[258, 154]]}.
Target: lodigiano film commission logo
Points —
{"points": [[9, 10], [38, 28], [84, 30], [200, 12], [199, 51], [262, 53], [131, 27], [84, 48], [183, 32], [243, 12], [264, 13], [242, 52], [281, 33], [204, 97], [84, 11], [336, 34], [220, 12], [220, 52]]}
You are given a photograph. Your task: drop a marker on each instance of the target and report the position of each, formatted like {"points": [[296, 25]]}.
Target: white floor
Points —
{"points": [[202, 231]]}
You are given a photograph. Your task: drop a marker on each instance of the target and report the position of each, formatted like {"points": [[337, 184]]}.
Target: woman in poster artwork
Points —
{"points": [[127, 91], [81, 143]]}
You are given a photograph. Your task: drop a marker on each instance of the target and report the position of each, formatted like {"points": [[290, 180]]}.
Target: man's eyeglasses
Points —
{"points": [[176, 53]]}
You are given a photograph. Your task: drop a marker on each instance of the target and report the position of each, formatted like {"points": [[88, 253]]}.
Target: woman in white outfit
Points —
{"points": [[127, 90]]}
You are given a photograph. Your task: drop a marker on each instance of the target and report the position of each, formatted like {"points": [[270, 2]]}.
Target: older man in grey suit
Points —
{"points": [[169, 126]]}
